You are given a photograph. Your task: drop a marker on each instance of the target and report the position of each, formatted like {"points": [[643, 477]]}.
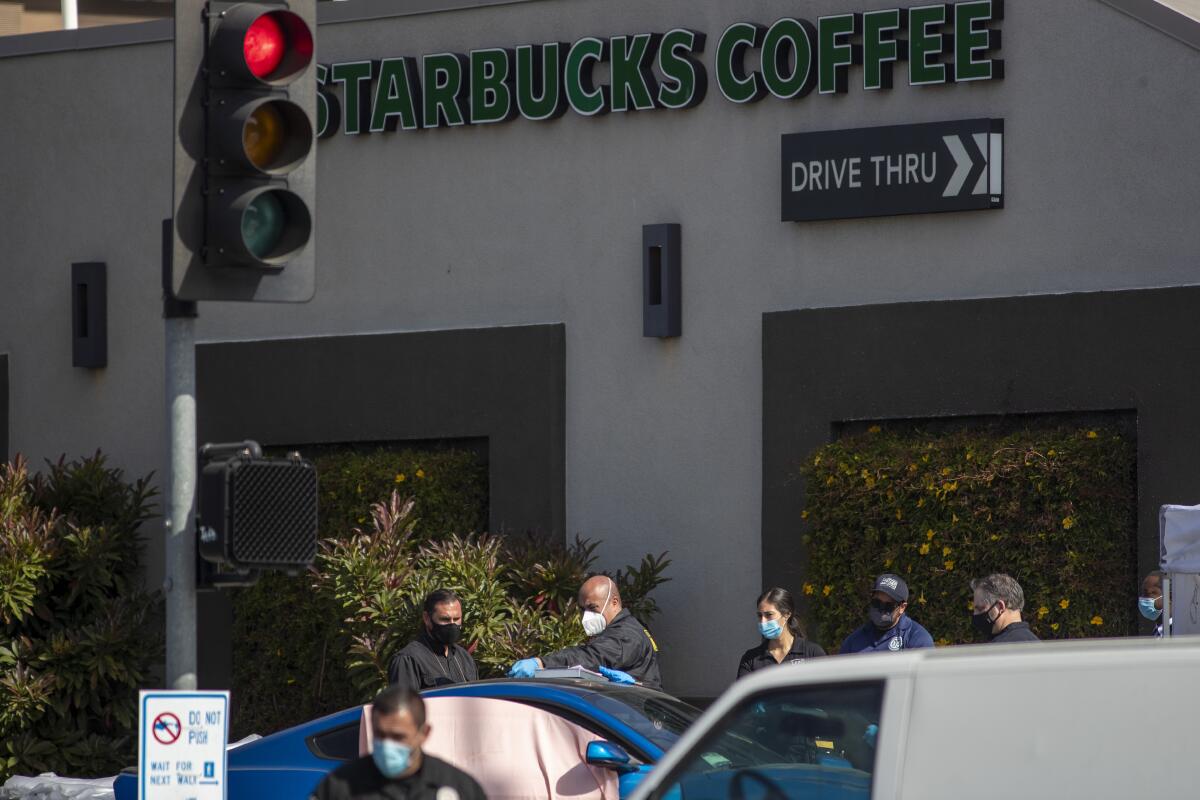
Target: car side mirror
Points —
{"points": [[609, 756]]}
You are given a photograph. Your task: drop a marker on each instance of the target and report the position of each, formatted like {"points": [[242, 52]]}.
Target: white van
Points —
{"points": [[1113, 718]]}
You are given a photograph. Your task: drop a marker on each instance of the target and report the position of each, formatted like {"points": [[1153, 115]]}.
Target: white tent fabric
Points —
{"points": [[49, 786], [1179, 538]]}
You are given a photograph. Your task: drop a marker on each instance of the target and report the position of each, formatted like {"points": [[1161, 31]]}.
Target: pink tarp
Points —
{"points": [[516, 752]]}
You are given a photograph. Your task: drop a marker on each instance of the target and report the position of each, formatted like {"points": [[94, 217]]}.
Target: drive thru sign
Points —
{"points": [[181, 750]]}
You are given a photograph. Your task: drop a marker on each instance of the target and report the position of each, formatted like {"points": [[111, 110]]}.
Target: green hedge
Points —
{"points": [[288, 665], [1053, 506], [78, 635]]}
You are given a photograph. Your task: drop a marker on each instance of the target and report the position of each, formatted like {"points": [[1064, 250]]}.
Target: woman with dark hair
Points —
{"points": [[783, 636]]}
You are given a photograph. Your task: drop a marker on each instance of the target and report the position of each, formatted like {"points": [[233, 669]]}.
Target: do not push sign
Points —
{"points": [[181, 746]]}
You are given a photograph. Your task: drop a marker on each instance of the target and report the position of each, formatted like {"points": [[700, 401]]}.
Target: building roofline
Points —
{"points": [[1162, 18], [163, 30]]}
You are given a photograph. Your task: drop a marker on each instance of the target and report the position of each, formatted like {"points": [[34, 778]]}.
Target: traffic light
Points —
{"points": [[245, 161], [255, 512]]}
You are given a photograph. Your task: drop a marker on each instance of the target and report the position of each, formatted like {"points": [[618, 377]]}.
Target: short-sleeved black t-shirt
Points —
{"points": [[757, 658]]}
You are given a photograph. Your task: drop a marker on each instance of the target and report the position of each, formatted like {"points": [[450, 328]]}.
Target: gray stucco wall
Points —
{"points": [[541, 222]]}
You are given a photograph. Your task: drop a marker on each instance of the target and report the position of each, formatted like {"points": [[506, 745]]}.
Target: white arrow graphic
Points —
{"points": [[981, 141], [962, 165]]}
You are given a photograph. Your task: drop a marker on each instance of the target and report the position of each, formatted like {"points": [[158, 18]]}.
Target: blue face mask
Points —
{"points": [[1146, 606], [391, 757], [771, 629]]}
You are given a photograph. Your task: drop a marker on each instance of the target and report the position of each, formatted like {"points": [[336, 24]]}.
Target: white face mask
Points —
{"points": [[595, 623]]}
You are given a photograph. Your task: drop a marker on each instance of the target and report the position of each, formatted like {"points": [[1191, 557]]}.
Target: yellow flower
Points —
{"points": [[887, 563], [924, 550], [929, 534], [1092, 434], [899, 514], [953, 518], [829, 481], [1064, 604], [921, 599], [1050, 452], [825, 591], [995, 537], [1097, 620], [1054, 626], [1068, 523], [970, 455], [808, 588], [942, 642], [873, 429], [400, 477], [804, 514], [946, 551], [816, 461], [949, 565], [920, 502], [1043, 611], [945, 470], [420, 473]]}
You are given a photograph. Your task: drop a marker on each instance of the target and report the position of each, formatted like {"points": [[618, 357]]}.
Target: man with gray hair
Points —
{"points": [[997, 610]]}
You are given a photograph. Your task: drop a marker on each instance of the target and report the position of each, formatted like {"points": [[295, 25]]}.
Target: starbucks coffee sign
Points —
{"points": [[788, 59]]}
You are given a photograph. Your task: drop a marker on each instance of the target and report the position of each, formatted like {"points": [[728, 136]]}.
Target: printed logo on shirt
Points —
{"points": [[895, 644], [796, 661], [447, 793], [653, 643]]}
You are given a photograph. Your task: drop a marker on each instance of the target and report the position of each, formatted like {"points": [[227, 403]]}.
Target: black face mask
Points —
{"points": [[446, 634], [881, 616], [982, 623]]}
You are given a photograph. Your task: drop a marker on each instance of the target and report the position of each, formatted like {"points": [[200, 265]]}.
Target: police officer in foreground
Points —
{"points": [[888, 628], [997, 610], [435, 658], [619, 647], [396, 767]]}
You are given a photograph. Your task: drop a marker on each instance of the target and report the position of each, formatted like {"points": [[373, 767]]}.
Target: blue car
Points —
{"points": [[633, 727]]}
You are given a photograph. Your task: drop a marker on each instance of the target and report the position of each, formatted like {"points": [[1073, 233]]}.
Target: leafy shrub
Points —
{"points": [[519, 593], [287, 667], [1055, 508], [77, 634]]}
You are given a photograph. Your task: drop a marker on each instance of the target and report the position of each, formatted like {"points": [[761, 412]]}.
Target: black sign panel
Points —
{"points": [[897, 169]]}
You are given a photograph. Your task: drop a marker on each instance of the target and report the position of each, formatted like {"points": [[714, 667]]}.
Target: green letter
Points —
{"points": [[355, 77], [731, 50], [836, 54], [445, 92], [922, 44], [539, 80], [632, 71], [329, 111], [686, 81], [879, 53], [491, 86], [395, 80], [971, 41], [586, 98], [788, 35]]}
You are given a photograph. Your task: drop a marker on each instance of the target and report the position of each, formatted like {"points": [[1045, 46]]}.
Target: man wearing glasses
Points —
{"points": [[888, 628]]}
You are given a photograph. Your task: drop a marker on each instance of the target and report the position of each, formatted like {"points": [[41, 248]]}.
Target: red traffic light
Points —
{"points": [[264, 46]]}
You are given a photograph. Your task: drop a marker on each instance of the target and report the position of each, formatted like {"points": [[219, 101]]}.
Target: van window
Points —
{"points": [[790, 744]]}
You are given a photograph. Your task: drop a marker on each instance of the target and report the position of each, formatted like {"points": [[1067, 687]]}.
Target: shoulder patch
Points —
{"points": [[896, 643]]}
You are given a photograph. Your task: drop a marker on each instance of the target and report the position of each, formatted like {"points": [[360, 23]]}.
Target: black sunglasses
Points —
{"points": [[887, 608]]}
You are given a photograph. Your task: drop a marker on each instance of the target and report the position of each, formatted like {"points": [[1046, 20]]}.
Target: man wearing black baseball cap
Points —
{"points": [[888, 628]]}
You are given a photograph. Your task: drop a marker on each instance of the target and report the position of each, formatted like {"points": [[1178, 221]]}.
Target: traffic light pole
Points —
{"points": [[179, 319]]}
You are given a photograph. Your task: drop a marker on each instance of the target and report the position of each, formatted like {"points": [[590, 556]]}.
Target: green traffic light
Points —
{"points": [[263, 224]]}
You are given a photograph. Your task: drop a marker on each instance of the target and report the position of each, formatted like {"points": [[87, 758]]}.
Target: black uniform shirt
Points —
{"points": [[624, 644], [760, 657], [1015, 632], [421, 664], [360, 779]]}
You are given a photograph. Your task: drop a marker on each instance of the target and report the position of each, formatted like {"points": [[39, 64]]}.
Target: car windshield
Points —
{"points": [[657, 716]]}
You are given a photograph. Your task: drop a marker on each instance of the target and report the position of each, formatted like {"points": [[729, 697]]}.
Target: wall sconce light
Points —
{"points": [[89, 314], [662, 309]]}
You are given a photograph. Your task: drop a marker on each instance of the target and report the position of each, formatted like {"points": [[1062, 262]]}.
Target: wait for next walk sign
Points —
{"points": [[181, 750]]}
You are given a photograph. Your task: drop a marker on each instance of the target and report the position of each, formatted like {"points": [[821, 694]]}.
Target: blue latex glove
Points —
{"points": [[616, 676], [870, 734], [524, 668]]}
